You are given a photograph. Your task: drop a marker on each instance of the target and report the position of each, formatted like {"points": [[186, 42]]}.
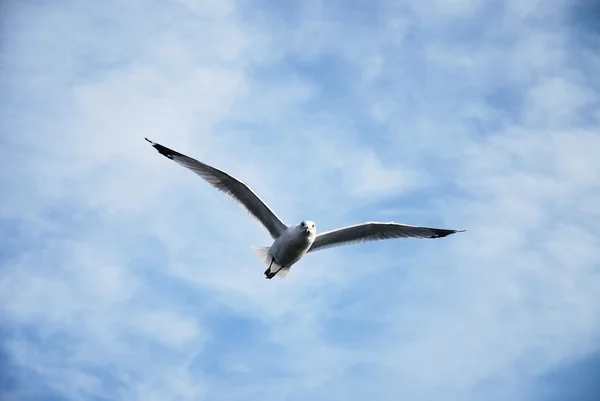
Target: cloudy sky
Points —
{"points": [[125, 277]]}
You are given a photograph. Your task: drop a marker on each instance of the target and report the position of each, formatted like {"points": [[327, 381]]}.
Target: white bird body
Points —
{"points": [[292, 243], [288, 248]]}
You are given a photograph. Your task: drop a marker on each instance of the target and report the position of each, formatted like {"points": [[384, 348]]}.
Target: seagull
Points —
{"points": [[292, 242]]}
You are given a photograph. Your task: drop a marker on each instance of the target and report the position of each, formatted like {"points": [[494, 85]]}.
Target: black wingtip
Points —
{"points": [[445, 233], [163, 150]]}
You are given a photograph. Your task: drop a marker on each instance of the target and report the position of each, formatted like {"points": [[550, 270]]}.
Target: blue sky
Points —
{"points": [[125, 277]]}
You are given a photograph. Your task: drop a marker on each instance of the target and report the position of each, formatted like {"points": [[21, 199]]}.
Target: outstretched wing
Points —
{"points": [[374, 232], [231, 186]]}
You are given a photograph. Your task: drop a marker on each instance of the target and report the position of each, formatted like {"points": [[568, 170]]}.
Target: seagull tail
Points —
{"points": [[282, 274], [262, 252]]}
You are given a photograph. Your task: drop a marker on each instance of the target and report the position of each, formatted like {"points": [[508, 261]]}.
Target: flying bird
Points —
{"points": [[292, 242]]}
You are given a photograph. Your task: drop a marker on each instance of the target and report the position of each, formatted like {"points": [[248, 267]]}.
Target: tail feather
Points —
{"points": [[282, 274], [262, 252]]}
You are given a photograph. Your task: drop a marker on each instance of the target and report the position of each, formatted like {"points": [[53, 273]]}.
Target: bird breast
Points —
{"points": [[290, 247]]}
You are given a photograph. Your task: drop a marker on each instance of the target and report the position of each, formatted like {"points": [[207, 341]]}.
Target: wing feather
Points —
{"points": [[375, 231], [231, 186]]}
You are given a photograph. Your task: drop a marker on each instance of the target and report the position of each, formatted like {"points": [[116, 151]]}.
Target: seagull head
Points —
{"points": [[307, 227]]}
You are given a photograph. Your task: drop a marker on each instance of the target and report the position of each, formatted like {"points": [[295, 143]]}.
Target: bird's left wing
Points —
{"points": [[233, 187], [374, 231]]}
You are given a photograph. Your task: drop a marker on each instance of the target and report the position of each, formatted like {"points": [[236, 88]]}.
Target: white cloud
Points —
{"points": [[167, 327], [131, 275], [211, 9], [447, 8], [556, 101]]}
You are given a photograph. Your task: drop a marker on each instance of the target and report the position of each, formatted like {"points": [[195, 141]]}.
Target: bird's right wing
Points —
{"points": [[231, 186], [374, 232]]}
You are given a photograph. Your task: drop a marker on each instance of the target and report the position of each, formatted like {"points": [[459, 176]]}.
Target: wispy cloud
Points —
{"points": [[125, 276]]}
